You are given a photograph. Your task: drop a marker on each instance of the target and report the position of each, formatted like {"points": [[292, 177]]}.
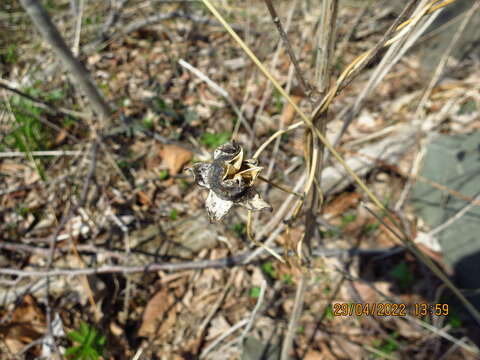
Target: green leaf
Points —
{"points": [[255, 292], [403, 275], [287, 279], [163, 174], [329, 312], [268, 269], [215, 140], [91, 343], [240, 229], [348, 218], [75, 336], [56, 94], [73, 350]]}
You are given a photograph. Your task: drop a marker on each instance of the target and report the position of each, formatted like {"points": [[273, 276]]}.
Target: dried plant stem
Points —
{"points": [[259, 303], [40, 103], [273, 137], [430, 7], [219, 90], [353, 68], [306, 87], [86, 285], [296, 312], [8, 154], [78, 29], [326, 41], [443, 61], [257, 243], [203, 326], [77, 70], [280, 187], [325, 50]]}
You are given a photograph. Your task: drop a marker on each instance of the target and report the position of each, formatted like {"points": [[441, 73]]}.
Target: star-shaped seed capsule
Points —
{"points": [[231, 181]]}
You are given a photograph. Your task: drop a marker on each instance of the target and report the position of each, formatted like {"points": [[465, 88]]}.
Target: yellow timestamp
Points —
{"points": [[389, 309]]}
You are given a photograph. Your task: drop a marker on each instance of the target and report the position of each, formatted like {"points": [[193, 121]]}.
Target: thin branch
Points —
{"points": [[8, 154], [78, 28], [368, 57], [221, 91], [77, 70], [226, 334], [296, 312], [227, 262], [259, 303], [40, 103], [307, 88], [112, 18], [443, 61], [455, 217]]}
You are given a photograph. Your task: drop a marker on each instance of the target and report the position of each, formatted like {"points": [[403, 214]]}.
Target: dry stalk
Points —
{"points": [[76, 69], [307, 88], [326, 39]]}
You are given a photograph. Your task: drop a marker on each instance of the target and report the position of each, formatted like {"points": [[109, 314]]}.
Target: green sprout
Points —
{"points": [[91, 344]]}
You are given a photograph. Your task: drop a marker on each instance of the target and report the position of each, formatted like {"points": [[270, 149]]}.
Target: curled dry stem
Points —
{"points": [[257, 243], [274, 136]]}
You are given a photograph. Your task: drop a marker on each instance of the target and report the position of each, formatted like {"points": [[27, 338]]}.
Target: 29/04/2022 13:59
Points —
{"points": [[389, 309]]}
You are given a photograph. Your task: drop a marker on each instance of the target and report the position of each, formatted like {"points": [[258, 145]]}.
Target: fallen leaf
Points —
{"points": [[143, 198], [313, 355], [341, 204], [288, 113], [158, 315], [175, 157], [27, 325]]}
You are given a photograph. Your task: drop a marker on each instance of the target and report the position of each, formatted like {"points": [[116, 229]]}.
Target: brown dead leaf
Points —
{"points": [[408, 329], [159, 314], [175, 157], [9, 168], [369, 294], [288, 113], [61, 136], [27, 325], [340, 204], [143, 198], [327, 354], [342, 349], [314, 355]]}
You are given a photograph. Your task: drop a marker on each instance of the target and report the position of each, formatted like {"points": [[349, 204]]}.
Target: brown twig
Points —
{"points": [[77, 70], [307, 88], [227, 262]]}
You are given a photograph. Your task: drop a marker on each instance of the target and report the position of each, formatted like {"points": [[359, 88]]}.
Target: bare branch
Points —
{"points": [[77, 70], [243, 259], [307, 88]]}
